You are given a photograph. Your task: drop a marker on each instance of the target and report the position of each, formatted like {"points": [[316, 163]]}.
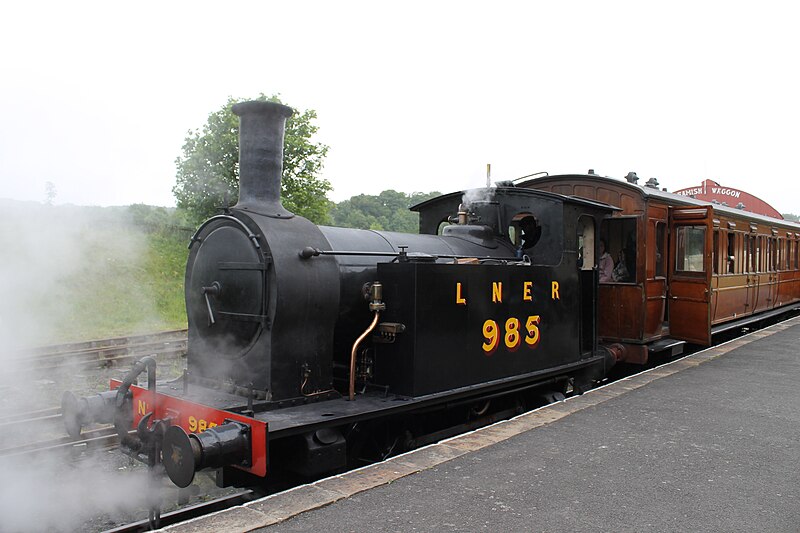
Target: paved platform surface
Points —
{"points": [[708, 443]]}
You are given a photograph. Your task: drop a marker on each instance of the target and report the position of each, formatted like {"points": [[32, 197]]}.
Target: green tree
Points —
{"points": [[208, 169], [387, 211], [790, 216]]}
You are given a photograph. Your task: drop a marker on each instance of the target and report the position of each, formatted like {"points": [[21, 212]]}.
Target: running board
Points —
{"points": [[674, 346], [750, 319]]}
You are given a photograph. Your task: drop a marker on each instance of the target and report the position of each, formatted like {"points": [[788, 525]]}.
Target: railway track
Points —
{"points": [[16, 420], [99, 353], [94, 354], [189, 512], [48, 421], [95, 439]]}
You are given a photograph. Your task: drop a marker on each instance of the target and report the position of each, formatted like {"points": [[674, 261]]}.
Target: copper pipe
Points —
{"points": [[353, 355]]}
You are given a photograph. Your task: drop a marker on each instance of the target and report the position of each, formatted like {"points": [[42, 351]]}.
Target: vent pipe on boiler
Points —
{"points": [[261, 130]]}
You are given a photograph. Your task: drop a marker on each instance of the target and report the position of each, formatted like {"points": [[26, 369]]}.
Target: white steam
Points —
{"points": [[55, 260], [473, 196], [53, 257], [57, 497]]}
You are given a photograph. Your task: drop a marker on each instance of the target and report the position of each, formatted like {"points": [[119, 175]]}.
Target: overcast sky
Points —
{"points": [[415, 96]]}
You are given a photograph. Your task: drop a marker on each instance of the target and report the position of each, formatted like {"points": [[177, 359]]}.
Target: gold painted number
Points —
{"points": [[198, 425], [532, 325], [512, 337], [492, 336]]}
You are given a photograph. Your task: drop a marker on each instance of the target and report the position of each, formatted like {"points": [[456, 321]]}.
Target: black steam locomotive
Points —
{"points": [[303, 339]]}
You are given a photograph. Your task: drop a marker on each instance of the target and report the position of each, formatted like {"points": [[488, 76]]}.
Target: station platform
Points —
{"points": [[710, 442]]}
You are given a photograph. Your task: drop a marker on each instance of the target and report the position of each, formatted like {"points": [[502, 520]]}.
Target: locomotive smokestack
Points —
{"points": [[261, 130]]}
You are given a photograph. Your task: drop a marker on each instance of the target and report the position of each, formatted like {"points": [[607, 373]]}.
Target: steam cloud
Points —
{"points": [[55, 497], [473, 196], [51, 257]]}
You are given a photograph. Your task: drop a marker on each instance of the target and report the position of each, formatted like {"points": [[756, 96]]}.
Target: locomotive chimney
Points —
{"points": [[261, 130]]}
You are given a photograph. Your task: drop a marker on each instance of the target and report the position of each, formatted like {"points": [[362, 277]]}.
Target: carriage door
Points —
{"points": [[690, 274]]}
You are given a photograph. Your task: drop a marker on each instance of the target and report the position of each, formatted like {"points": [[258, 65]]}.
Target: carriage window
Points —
{"points": [[796, 255], [757, 261], [748, 253], [731, 259], [788, 257], [689, 248], [619, 235], [742, 254], [661, 257], [715, 252], [774, 256]]}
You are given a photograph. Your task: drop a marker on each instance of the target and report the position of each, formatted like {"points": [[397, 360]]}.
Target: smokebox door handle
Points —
{"points": [[213, 290]]}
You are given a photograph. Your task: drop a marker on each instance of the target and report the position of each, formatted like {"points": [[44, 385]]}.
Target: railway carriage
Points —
{"points": [[696, 269]]}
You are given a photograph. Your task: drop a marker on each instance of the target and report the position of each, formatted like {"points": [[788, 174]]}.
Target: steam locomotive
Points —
{"points": [[307, 342]]}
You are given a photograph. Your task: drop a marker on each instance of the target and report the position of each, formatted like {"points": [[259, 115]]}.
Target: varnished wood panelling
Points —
{"points": [[630, 204], [608, 196], [585, 191], [623, 301], [655, 290], [730, 297]]}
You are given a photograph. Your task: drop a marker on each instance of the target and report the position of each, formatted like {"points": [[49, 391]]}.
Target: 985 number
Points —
{"points": [[512, 336]]}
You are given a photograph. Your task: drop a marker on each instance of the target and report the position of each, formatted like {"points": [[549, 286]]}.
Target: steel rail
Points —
{"points": [[189, 512], [85, 346], [103, 436], [105, 352]]}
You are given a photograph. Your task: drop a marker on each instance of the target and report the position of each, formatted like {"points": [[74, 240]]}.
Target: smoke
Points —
{"points": [[37, 254], [67, 276], [55, 260], [69, 273], [60, 495]]}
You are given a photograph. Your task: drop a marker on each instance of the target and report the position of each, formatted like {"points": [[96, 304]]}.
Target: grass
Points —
{"points": [[82, 273], [165, 267], [125, 290]]}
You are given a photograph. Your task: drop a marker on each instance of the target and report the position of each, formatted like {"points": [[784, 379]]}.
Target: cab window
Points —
{"points": [[586, 243]]}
